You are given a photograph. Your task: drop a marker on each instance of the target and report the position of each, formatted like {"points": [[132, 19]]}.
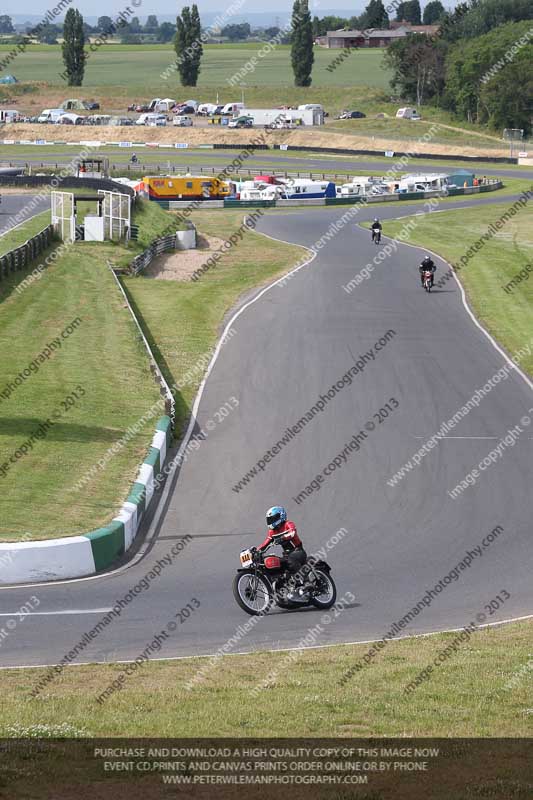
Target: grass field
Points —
{"points": [[103, 355], [182, 319], [507, 315], [117, 75], [468, 695], [138, 68]]}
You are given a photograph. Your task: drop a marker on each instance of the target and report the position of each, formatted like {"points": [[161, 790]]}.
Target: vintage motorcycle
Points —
{"points": [[263, 580]]}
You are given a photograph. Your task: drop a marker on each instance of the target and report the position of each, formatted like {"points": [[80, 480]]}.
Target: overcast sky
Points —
{"points": [[163, 7]]}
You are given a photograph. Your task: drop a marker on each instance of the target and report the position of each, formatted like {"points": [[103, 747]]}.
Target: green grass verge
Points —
{"points": [[468, 695], [39, 497], [152, 222], [17, 236], [182, 319], [507, 315]]}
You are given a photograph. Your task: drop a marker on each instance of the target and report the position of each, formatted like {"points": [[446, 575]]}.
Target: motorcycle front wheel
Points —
{"points": [[253, 593], [326, 594]]}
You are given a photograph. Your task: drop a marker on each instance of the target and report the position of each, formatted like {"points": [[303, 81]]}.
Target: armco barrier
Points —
{"points": [[309, 201], [249, 203], [397, 153], [68, 182], [175, 205], [77, 556], [158, 246], [24, 254], [164, 388]]}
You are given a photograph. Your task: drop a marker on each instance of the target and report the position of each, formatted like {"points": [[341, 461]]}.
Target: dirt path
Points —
{"points": [[180, 265]]}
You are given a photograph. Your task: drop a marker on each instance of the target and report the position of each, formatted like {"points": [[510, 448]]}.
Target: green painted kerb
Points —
{"points": [[138, 497], [164, 425], [107, 544], [153, 458]]}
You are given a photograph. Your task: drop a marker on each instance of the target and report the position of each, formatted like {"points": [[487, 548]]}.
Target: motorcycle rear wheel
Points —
{"points": [[327, 598], [253, 593]]}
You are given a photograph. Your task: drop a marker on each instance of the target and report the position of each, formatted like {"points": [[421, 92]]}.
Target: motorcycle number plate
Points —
{"points": [[246, 558]]}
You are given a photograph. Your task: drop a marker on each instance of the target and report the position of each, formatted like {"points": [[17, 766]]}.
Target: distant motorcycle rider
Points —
{"points": [[283, 532], [427, 265], [376, 230]]}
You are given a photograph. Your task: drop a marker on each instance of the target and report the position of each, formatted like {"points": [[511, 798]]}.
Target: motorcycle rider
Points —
{"points": [[376, 227], [283, 532], [427, 265]]}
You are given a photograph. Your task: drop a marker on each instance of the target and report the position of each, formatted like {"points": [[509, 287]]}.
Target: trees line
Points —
{"points": [[479, 65], [188, 43]]}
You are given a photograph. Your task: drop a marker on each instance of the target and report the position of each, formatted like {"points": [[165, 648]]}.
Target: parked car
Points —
{"points": [[71, 119], [241, 122], [351, 115], [91, 105], [124, 121], [182, 121]]}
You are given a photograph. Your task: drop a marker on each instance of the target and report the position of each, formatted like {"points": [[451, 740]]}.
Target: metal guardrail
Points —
{"points": [[24, 254], [164, 388], [158, 246]]}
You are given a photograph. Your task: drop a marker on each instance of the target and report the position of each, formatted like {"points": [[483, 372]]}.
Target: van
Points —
{"points": [[151, 119], [309, 106], [407, 113], [182, 122], [50, 114], [232, 108]]}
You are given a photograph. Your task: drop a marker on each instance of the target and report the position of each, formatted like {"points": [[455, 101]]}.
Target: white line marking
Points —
{"points": [[459, 437], [470, 313], [56, 613], [279, 649]]}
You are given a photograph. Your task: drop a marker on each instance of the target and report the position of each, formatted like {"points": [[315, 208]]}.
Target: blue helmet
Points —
{"points": [[275, 517]]}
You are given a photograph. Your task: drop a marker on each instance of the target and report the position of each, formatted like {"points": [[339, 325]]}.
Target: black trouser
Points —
{"points": [[295, 559]]}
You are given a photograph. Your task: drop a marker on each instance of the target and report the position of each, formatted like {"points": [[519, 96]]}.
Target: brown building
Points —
{"points": [[372, 37]]}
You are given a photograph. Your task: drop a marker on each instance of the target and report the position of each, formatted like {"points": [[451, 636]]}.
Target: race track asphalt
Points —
{"points": [[219, 159], [13, 204], [289, 347]]}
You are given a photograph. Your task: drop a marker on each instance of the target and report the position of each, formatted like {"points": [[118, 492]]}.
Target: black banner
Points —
{"points": [[338, 769]]}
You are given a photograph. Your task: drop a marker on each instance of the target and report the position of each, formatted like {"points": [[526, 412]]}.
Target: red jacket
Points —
{"points": [[286, 535]]}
